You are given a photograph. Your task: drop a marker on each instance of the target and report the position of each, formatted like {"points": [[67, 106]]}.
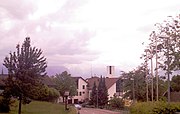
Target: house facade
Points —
{"points": [[82, 91], [111, 84]]}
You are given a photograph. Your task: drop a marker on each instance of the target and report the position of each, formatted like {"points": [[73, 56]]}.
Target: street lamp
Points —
{"points": [[66, 94]]}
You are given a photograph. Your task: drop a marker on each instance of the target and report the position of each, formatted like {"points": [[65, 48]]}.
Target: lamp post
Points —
{"points": [[66, 94]]}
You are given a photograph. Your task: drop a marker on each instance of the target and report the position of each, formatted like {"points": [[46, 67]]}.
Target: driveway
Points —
{"points": [[96, 111]]}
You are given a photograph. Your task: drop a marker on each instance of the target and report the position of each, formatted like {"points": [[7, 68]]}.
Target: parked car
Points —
{"points": [[78, 106]]}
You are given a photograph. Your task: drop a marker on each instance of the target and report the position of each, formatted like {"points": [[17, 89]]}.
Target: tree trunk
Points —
{"points": [[20, 100]]}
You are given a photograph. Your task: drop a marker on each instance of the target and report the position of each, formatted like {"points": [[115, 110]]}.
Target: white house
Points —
{"points": [[110, 84], [82, 91]]}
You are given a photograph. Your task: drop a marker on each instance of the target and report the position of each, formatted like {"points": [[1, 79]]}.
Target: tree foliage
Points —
{"points": [[167, 37], [102, 93], [139, 84], [64, 82], [25, 67], [139, 78], [93, 97], [175, 83], [116, 103], [45, 93]]}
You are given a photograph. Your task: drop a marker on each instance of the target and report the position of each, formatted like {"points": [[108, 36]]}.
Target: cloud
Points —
{"points": [[17, 9], [56, 33]]}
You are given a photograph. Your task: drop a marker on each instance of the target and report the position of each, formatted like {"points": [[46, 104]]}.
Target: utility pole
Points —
{"points": [[151, 57], [168, 63], [146, 76]]}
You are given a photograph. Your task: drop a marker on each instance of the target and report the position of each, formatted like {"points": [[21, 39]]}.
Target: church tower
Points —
{"points": [[110, 71]]}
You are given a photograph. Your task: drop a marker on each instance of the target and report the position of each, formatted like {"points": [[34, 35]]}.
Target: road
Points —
{"points": [[96, 111]]}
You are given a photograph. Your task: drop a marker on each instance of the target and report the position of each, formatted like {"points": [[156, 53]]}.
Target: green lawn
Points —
{"points": [[37, 107]]}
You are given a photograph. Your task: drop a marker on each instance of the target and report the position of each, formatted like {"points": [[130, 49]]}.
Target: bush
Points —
{"points": [[45, 93], [4, 105], [116, 103], [155, 108]]}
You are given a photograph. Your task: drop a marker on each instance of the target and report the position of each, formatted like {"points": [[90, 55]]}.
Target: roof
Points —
{"points": [[108, 81], [77, 78]]}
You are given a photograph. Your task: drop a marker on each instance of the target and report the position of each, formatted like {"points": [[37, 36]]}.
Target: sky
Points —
{"points": [[83, 36]]}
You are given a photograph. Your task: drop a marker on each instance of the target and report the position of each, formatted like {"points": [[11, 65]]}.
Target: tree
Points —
{"points": [[116, 103], [45, 93], [139, 76], [105, 94], [175, 83], [64, 82], [25, 67], [93, 97], [167, 37], [102, 93]]}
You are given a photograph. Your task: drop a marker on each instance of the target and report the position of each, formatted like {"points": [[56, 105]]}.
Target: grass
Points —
{"points": [[37, 107]]}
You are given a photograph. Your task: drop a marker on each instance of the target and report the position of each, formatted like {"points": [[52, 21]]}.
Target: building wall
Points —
{"points": [[82, 91], [110, 71], [112, 91]]}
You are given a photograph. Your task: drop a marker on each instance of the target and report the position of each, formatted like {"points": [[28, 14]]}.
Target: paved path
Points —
{"points": [[96, 111]]}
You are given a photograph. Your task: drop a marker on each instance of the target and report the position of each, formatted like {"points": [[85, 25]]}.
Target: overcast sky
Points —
{"points": [[83, 36]]}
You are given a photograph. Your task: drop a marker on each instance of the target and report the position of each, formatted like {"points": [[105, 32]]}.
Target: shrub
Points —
{"points": [[116, 103], [4, 104], [155, 108]]}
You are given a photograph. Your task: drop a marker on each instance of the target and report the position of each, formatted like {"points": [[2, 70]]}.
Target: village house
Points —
{"points": [[84, 87], [111, 84], [82, 91]]}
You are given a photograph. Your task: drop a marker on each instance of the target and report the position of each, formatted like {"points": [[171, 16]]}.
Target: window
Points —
{"points": [[110, 70], [83, 92], [80, 93], [83, 86]]}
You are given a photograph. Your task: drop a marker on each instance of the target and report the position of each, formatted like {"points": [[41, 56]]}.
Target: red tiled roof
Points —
{"points": [[109, 81]]}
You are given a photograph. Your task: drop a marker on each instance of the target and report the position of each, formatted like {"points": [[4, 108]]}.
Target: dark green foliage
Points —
{"points": [[116, 103], [4, 104], [93, 99], [64, 82], [25, 67], [102, 93], [138, 76], [105, 94], [155, 108], [175, 83], [45, 93], [139, 84]]}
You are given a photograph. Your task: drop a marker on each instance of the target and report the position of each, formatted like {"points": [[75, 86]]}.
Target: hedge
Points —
{"points": [[155, 108]]}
